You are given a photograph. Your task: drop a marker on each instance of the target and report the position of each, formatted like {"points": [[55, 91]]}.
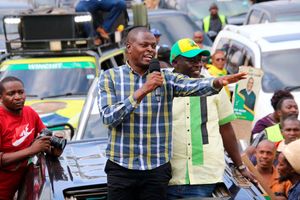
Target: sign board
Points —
{"points": [[246, 93]]}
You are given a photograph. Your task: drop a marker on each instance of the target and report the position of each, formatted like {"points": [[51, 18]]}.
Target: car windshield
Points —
{"points": [[94, 127], [169, 27], [53, 79], [281, 70], [200, 9]]}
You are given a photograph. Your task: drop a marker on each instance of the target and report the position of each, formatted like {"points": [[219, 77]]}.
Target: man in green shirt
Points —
{"points": [[201, 126]]}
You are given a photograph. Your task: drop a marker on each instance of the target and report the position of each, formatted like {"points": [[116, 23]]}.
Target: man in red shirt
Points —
{"points": [[19, 126]]}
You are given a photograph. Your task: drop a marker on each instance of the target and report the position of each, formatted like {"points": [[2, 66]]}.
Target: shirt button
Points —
{"points": [[189, 144], [189, 158], [188, 130], [187, 117]]}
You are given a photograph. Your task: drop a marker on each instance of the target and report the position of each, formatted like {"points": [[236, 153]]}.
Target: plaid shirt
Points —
{"points": [[140, 134]]}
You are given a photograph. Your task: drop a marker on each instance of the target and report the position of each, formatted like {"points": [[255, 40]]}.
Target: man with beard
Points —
{"points": [[140, 121], [289, 168]]}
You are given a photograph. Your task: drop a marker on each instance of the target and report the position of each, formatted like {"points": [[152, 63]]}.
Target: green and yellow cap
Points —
{"points": [[187, 48]]}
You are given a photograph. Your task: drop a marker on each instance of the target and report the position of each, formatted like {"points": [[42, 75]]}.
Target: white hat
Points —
{"points": [[292, 154]]}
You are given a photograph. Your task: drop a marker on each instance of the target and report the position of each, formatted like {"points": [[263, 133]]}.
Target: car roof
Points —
{"points": [[161, 11], [270, 36], [7, 7], [276, 7]]}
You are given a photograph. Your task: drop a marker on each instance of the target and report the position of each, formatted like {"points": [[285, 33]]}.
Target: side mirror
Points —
{"points": [[65, 130]]}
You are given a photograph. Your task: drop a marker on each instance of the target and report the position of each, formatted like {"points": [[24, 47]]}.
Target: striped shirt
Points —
{"points": [[198, 152], [140, 134]]}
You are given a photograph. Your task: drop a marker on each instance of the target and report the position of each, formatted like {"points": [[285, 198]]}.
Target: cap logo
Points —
{"points": [[187, 45], [193, 44]]}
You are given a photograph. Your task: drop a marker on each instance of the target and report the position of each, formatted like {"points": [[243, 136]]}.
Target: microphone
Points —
{"points": [[154, 66]]}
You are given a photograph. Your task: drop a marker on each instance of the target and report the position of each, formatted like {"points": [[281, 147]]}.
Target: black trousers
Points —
{"points": [[126, 184]]}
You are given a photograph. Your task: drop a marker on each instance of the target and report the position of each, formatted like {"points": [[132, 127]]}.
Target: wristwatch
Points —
{"points": [[241, 167]]}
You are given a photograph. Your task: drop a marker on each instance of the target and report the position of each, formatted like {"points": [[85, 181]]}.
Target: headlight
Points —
{"points": [[10, 20], [83, 18]]}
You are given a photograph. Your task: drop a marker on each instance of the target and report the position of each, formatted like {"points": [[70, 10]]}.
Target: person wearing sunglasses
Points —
{"points": [[217, 67]]}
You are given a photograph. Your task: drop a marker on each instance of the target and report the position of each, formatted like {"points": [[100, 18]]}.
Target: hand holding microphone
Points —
{"points": [[154, 68], [154, 81]]}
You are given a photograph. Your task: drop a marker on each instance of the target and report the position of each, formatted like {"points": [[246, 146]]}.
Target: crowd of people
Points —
{"points": [[176, 144]]}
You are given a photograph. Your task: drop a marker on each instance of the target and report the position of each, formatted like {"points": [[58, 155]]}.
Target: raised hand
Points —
{"points": [[154, 80], [225, 80]]}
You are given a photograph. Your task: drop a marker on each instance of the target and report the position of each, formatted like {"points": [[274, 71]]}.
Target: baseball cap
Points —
{"points": [[187, 48], [291, 153], [155, 32]]}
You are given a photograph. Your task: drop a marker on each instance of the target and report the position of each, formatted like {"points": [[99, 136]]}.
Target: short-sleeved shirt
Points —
{"points": [[198, 152], [17, 132], [279, 188]]}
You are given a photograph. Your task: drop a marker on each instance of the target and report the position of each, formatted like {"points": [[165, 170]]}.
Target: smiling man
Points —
{"points": [[201, 126], [140, 124]]}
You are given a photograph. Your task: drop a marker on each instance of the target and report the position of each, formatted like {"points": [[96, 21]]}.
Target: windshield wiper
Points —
{"points": [[292, 88], [64, 95]]}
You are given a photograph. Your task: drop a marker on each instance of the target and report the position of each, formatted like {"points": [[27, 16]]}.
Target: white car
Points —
{"points": [[272, 47]]}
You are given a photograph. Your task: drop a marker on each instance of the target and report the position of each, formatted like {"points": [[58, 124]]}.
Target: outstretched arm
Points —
{"points": [[225, 80]]}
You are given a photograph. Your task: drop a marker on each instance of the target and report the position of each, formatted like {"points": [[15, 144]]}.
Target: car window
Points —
{"points": [[288, 16], [264, 19], [171, 31], [112, 59], [254, 17], [95, 127], [281, 70], [237, 55], [106, 64], [120, 59], [223, 44]]}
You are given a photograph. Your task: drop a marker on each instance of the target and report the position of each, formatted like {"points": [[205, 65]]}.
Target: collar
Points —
{"points": [[134, 72]]}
